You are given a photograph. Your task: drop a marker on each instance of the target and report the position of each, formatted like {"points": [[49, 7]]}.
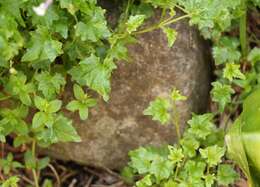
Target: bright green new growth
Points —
{"points": [[196, 160], [82, 102]]}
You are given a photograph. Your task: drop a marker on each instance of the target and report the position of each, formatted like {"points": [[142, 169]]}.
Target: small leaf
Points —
{"points": [[201, 125], [158, 109], [11, 182], [134, 22], [40, 103], [176, 95], [171, 35], [78, 92], [73, 105], [144, 182], [83, 113], [54, 106], [29, 159], [43, 163], [209, 180], [232, 71], [38, 120], [226, 175], [175, 154], [254, 55], [221, 93], [64, 130], [161, 168], [212, 154]]}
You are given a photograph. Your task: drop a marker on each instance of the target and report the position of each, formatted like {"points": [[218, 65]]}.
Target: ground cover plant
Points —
{"points": [[47, 45]]}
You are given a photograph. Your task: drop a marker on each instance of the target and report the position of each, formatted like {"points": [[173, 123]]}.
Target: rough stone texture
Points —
{"points": [[118, 126]]}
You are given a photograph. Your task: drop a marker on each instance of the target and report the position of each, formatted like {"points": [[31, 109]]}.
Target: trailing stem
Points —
{"points": [[35, 177], [161, 24]]}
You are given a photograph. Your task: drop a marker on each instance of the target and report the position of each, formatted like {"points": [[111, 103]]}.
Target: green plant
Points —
{"points": [[196, 160], [237, 77], [47, 46], [10, 182]]}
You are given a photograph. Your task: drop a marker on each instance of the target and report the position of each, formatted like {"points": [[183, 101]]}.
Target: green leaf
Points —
{"points": [[171, 35], [42, 47], [232, 71], [30, 160], [41, 119], [176, 95], [47, 106], [134, 22], [83, 113], [17, 86], [64, 130], [254, 55], [190, 146], [11, 182], [158, 109], [226, 51], [73, 105], [170, 183], [78, 92], [94, 27], [244, 137], [94, 74], [221, 93], [40, 103], [201, 125], [50, 85], [226, 175], [161, 168], [212, 154], [43, 163], [54, 106], [236, 150], [13, 121], [194, 170], [144, 182], [141, 158], [69, 5], [175, 154], [209, 180], [47, 183]]}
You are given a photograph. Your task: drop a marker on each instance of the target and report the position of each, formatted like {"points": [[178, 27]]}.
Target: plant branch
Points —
{"points": [[35, 177], [161, 24]]}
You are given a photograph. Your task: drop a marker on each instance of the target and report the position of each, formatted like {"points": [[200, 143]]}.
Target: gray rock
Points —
{"points": [[116, 127]]}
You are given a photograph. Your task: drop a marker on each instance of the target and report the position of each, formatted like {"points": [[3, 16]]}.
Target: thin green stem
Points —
{"points": [[129, 2], [161, 24], [176, 172], [35, 177], [242, 30]]}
